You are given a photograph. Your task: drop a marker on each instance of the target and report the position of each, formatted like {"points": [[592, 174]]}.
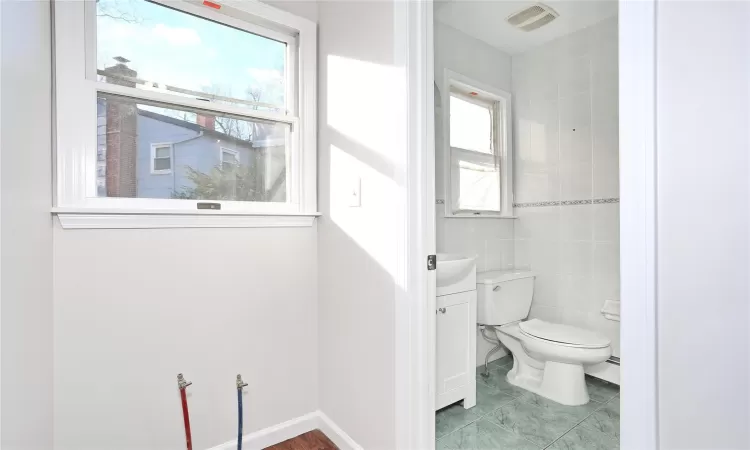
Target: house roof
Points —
{"points": [[195, 127], [172, 120]]}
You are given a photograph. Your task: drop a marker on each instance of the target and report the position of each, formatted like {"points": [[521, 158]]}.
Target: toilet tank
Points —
{"points": [[504, 296]]}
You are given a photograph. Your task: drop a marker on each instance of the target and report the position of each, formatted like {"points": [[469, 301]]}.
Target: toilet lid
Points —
{"points": [[563, 334]]}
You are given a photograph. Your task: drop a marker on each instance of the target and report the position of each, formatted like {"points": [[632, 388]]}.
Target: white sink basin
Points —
{"points": [[455, 273]]}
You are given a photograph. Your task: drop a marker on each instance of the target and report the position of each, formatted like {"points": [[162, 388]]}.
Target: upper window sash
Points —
{"points": [[207, 13], [487, 105], [475, 99], [76, 99]]}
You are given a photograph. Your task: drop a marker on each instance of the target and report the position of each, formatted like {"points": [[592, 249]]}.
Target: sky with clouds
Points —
{"points": [[178, 49]]}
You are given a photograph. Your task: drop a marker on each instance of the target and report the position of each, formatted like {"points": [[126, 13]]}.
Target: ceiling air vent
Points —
{"points": [[533, 17]]}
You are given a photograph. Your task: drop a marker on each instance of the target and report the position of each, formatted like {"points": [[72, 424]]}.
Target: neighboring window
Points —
{"points": [[478, 156], [161, 159], [177, 74], [230, 159]]}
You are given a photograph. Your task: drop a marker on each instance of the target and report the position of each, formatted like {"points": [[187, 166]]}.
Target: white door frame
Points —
{"points": [[637, 67], [415, 309], [415, 326]]}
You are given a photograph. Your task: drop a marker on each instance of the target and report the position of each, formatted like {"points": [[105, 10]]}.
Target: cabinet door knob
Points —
{"points": [[442, 310]]}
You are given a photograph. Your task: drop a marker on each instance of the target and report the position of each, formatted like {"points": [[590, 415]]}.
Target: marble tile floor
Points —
{"points": [[510, 418]]}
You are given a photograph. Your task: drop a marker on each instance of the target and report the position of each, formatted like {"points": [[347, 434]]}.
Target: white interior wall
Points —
{"points": [[26, 234], [566, 153], [489, 240], [303, 8], [362, 138], [702, 224], [135, 307]]}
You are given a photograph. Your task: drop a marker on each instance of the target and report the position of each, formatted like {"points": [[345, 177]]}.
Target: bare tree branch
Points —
{"points": [[105, 10]]}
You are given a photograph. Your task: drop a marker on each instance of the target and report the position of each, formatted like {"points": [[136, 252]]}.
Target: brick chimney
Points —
{"points": [[122, 134], [206, 121]]}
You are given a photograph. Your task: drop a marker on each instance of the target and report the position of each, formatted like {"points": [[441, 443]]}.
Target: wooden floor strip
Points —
{"points": [[312, 440]]}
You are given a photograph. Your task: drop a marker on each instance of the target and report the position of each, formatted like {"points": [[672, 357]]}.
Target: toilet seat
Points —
{"points": [[565, 335]]}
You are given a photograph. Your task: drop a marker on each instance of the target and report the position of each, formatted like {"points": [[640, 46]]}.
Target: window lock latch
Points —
{"points": [[431, 262]]}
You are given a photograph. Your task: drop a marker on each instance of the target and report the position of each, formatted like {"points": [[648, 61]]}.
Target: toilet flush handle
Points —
{"points": [[496, 288]]}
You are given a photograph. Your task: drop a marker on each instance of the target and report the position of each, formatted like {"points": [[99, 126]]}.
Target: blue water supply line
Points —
{"points": [[240, 385]]}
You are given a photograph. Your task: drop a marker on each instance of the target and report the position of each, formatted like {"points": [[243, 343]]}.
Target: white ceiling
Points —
{"points": [[485, 20]]}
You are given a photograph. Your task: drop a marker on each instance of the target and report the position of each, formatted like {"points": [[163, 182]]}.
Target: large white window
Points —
{"points": [[185, 108], [477, 143]]}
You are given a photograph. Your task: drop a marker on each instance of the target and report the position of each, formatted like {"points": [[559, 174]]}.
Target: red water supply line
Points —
{"points": [[182, 384]]}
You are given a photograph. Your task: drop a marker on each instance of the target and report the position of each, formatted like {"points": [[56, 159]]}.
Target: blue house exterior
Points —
{"points": [[190, 145]]}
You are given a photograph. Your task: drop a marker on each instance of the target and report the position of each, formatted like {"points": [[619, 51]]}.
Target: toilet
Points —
{"points": [[548, 358]]}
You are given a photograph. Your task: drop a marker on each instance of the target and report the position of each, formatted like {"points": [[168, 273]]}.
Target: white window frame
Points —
{"points": [[503, 135], [76, 90], [228, 150], [154, 171]]}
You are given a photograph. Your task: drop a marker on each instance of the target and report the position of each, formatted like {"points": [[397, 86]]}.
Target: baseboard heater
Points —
{"points": [[609, 370]]}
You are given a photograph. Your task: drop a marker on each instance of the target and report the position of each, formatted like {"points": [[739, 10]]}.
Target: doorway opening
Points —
{"points": [[527, 331]]}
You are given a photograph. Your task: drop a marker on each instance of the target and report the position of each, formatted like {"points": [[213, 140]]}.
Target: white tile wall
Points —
{"points": [[566, 144], [490, 241]]}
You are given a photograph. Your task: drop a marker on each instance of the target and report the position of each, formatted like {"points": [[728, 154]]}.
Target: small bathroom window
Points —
{"points": [[478, 161]]}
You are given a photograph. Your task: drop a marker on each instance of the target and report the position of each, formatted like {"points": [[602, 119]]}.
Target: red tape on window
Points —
{"points": [[211, 4]]}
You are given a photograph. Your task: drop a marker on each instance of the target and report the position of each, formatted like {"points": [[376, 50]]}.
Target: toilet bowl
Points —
{"points": [[549, 358]]}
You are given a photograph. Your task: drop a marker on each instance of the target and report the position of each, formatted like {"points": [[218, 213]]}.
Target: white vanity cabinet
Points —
{"points": [[455, 329], [456, 349]]}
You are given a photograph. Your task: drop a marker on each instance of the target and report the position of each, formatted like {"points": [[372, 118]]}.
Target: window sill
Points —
{"points": [[478, 216], [82, 218]]}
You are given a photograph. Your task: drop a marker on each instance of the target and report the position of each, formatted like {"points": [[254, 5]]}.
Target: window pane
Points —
{"points": [[162, 152], [479, 186], [161, 164], [129, 128], [140, 43], [470, 126], [229, 158]]}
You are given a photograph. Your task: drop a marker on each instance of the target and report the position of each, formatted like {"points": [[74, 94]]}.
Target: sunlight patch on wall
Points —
{"points": [[371, 225], [364, 102], [366, 107]]}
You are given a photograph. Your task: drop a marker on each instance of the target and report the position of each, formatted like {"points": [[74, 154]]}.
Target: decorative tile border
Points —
{"points": [[595, 201], [536, 204], [575, 202]]}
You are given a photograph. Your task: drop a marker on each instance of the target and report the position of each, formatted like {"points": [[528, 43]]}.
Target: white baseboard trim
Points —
{"points": [[339, 437], [292, 428]]}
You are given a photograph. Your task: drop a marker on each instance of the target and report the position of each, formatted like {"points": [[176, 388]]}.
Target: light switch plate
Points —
{"points": [[355, 192]]}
